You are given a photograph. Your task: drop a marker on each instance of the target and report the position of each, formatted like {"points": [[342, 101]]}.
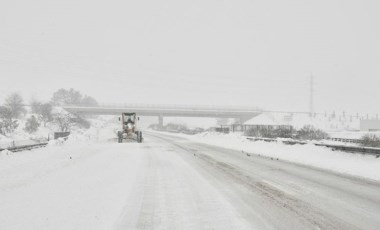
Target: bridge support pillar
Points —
{"points": [[160, 121]]}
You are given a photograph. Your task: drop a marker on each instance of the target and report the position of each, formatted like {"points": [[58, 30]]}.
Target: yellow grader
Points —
{"points": [[129, 129]]}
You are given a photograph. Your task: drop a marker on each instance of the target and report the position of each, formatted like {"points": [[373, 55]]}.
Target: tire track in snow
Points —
{"points": [[279, 202]]}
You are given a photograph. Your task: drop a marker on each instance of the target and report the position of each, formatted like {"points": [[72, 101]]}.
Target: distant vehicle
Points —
{"points": [[129, 129]]}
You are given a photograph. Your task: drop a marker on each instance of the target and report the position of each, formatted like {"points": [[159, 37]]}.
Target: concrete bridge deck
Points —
{"points": [[242, 113]]}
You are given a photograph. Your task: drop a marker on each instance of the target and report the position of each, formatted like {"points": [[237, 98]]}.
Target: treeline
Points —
{"points": [[14, 109], [308, 132], [72, 97]]}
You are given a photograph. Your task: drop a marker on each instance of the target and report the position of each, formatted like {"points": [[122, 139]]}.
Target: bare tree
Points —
{"points": [[7, 124], [5, 113], [67, 97], [46, 113], [89, 101], [72, 97], [44, 110], [59, 97], [35, 106], [16, 104]]}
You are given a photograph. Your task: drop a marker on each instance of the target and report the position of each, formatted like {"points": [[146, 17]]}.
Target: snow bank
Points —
{"points": [[351, 135], [366, 166], [5, 152], [101, 130]]}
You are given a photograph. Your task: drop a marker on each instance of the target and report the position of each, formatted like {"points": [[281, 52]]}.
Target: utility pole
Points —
{"points": [[311, 103]]}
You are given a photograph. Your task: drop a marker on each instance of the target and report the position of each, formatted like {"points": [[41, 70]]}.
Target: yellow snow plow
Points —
{"points": [[129, 129]]}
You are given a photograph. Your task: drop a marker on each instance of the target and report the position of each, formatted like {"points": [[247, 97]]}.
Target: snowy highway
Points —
{"points": [[170, 182]]}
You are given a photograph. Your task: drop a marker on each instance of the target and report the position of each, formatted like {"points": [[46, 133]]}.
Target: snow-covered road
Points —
{"points": [[170, 182]]}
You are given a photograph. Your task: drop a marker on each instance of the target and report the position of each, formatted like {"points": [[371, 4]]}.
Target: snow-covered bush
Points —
{"points": [[370, 140], [32, 124], [270, 133], [5, 152], [8, 126], [63, 121], [44, 111], [308, 132], [253, 132]]}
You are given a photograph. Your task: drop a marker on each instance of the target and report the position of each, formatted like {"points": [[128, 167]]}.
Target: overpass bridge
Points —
{"points": [[161, 111]]}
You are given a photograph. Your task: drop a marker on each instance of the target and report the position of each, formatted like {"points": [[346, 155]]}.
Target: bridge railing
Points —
{"points": [[174, 106]]}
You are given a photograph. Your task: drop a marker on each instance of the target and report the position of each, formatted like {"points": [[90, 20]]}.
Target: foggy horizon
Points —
{"points": [[201, 52]]}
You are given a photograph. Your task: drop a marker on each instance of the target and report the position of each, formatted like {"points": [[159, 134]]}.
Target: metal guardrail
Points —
{"points": [[353, 149], [24, 147], [287, 142], [261, 139], [155, 107], [345, 140], [179, 106], [345, 148]]}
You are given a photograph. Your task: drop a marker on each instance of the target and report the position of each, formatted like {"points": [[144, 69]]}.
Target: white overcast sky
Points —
{"points": [[242, 52]]}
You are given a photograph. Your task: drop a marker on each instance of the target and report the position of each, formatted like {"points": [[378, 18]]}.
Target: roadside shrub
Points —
{"points": [[308, 132], [63, 121], [8, 126], [66, 121], [284, 132], [253, 132], [269, 132], [370, 140], [32, 124]]}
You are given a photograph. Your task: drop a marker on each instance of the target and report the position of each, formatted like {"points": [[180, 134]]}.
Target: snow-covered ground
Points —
{"points": [[87, 184], [351, 135], [60, 187], [366, 166], [92, 182]]}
